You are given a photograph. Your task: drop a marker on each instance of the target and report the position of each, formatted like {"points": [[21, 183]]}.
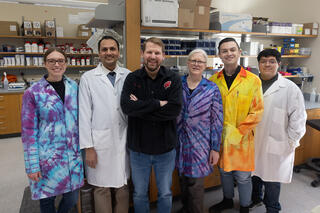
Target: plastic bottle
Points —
{"points": [[34, 47], [313, 95], [5, 81], [27, 47]]}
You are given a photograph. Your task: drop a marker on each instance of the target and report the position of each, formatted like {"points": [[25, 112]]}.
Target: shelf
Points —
{"points": [[295, 56], [44, 37], [178, 31], [291, 35], [42, 67]]}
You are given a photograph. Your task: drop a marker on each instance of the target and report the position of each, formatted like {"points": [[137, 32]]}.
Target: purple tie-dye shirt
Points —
{"points": [[199, 128], [50, 139]]}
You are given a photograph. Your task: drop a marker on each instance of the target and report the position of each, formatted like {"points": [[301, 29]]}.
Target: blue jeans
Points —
{"points": [[271, 194], [68, 201], [163, 166], [243, 180]]}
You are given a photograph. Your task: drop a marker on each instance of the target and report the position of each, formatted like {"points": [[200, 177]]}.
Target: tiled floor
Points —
{"points": [[297, 197]]}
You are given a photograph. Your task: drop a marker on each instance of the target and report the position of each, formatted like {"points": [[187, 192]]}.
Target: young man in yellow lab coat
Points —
{"points": [[242, 110]]}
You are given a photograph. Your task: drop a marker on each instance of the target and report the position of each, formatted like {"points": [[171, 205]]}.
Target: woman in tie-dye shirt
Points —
{"points": [[49, 122], [199, 131]]}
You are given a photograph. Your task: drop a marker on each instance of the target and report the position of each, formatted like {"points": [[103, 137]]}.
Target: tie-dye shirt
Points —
{"points": [[199, 127], [50, 138]]}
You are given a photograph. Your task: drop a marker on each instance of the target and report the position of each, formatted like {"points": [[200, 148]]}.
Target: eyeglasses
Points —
{"points": [[272, 62], [53, 61], [193, 62]]}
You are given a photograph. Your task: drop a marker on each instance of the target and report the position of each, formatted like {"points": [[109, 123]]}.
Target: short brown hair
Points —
{"points": [[54, 49], [154, 40]]}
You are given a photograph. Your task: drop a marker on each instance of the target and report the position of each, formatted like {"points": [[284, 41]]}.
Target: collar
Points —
{"points": [[45, 83], [107, 71], [161, 72], [242, 73]]}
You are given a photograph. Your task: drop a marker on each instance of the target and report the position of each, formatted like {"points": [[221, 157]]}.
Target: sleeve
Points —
{"points": [[29, 132], [255, 112], [85, 114], [297, 117], [138, 108], [217, 121], [172, 109]]}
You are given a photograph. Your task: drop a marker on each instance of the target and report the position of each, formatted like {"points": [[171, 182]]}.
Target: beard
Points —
{"points": [[152, 68]]}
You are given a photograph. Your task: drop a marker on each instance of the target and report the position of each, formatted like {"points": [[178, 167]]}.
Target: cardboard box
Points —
{"points": [[186, 18], [311, 25], [50, 28], [36, 28], [27, 28], [84, 31], [231, 21], [202, 17], [194, 14], [9, 28], [159, 13]]}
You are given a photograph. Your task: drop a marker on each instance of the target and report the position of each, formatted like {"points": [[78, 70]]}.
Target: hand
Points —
{"points": [[214, 157], [133, 97], [35, 176], [91, 157], [162, 103]]}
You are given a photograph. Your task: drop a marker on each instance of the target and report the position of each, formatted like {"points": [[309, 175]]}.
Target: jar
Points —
{"points": [[34, 47], [28, 60], [83, 61], [27, 47], [73, 61], [41, 48], [88, 61]]}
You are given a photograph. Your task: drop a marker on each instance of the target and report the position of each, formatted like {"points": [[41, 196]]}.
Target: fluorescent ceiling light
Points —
{"points": [[89, 5]]}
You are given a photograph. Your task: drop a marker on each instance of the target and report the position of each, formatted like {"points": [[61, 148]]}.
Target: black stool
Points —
{"points": [[312, 163]]}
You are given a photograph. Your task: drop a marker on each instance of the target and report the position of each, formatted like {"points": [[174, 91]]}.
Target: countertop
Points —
{"points": [[3, 91], [312, 105]]}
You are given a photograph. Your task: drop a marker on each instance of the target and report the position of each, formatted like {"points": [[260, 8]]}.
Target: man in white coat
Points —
{"points": [[103, 130], [278, 134]]}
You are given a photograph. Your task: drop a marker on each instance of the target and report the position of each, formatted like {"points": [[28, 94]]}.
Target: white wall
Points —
{"points": [[297, 11]]}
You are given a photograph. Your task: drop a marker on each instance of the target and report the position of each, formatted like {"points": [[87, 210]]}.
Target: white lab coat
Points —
{"points": [[278, 134], [103, 125]]}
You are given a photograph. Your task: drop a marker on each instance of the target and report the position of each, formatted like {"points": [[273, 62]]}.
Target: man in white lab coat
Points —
{"points": [[278, 134], [103, 130]]}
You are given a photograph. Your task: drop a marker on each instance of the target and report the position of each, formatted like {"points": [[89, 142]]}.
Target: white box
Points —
{"points": [[232, 21], [159, 13], [249, 48], [59, 32]]}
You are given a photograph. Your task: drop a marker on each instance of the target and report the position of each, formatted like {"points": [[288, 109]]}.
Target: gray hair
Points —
{"points": [[198, 50]]}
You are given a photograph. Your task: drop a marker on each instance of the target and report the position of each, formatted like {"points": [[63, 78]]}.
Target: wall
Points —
{"points": [[296, 11], [14, 12]]}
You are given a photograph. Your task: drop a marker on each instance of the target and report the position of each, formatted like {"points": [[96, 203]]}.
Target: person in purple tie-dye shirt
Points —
{"points": [[49, 124], [199, 132]]}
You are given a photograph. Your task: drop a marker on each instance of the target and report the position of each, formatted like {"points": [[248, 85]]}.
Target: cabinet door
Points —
{"points": [[9, 114]]}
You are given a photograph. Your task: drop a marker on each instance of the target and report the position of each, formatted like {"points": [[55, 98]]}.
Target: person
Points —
{"points": [[242, 110], [199, 129], [49, 132], [278, 134], [103, 129], [151, 97]]}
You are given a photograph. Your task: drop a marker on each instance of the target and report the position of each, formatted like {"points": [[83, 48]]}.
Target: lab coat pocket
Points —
{"points": [[102, 138], [278, 124], [277, 147]]}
